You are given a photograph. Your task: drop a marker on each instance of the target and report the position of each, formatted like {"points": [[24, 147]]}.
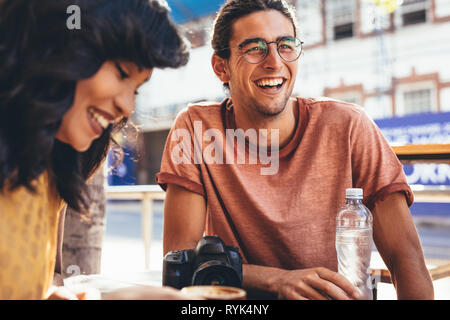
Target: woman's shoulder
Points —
{"points": [[43, 193]]}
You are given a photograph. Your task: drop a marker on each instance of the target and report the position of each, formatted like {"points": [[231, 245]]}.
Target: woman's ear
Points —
{"points": [[220, 68]]}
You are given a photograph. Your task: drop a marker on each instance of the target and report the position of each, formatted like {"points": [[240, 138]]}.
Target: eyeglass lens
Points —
{"points": [[256, 50]]}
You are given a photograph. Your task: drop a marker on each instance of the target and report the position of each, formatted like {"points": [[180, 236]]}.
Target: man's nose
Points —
{"points": [[273, 59]]}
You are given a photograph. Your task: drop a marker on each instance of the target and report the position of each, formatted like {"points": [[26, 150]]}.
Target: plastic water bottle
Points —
{"points": [[354, 242]]}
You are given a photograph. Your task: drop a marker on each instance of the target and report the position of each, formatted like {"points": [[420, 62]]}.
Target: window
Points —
{"points": [[414, 96], [414, 11], [343, 31], [417, 101], [341, 18]]}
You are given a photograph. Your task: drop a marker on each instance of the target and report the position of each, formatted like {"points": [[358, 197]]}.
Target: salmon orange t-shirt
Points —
{"points": [[28, 239], [285, 216]]}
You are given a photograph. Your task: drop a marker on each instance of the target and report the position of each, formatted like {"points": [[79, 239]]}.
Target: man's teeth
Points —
{"points": [[99, 118], [269, 82]]}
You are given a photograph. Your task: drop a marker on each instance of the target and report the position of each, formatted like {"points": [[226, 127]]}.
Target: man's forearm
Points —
{"points": [[260, 280], [398, 243], [412, 281]]}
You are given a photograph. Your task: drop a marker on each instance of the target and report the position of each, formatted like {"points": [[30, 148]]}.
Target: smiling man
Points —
{"points": [[283, 223]]}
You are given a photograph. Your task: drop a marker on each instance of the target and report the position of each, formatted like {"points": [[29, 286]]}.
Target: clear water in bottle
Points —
{"points": [[354, 242]]}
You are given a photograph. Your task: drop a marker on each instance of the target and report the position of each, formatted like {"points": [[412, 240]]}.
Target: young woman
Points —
{"points": [[63, 92]]}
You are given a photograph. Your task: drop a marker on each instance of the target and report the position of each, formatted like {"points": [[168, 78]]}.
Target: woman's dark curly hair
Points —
{"points": [[41, 60]]}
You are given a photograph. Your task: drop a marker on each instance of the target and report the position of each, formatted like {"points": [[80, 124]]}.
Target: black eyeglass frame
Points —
{"points": [[301, 43]]}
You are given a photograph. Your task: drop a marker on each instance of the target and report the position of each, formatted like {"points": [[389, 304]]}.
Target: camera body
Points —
{"points": [[210, 263]]}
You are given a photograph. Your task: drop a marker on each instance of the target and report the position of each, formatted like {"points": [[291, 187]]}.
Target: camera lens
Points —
{"points": [[214, 280], [216, 272]]}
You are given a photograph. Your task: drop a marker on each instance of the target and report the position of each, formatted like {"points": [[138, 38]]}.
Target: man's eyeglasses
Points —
{"points": [[256, 50]]}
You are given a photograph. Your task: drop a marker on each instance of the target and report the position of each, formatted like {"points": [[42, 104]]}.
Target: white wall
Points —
{"points": [[193, 82], [445, 99]]}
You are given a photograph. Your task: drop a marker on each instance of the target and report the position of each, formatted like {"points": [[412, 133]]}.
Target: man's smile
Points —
{"points": [[270, 85]]}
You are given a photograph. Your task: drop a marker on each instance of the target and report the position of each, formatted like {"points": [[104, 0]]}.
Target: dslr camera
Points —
{"points": [[210, 263]]}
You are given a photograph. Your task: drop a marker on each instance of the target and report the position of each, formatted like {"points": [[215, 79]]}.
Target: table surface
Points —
{"points": [[437, 272], [423, 153], [422, 149], [109, 283]]}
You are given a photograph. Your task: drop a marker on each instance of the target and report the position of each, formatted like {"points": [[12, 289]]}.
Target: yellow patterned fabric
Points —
{"points": [[28, 239]]}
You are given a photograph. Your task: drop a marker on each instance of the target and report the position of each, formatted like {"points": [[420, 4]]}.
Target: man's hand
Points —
{"points": [[304, 284], [315, 284]]}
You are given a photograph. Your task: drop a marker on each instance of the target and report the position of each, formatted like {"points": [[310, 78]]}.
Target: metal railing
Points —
{"points": [[148, 193]]}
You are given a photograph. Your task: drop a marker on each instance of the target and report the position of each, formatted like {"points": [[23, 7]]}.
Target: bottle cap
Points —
{"points": [[354, 193]]}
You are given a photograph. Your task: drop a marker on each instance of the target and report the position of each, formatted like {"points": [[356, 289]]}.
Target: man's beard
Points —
{"points": [[274, 109]]}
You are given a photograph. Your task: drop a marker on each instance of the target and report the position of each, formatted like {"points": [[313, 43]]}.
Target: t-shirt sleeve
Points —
{"points": [[375, 167], [178, 164]]}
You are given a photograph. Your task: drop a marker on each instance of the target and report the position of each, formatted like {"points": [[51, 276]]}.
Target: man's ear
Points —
{"points": [[220, 68]]}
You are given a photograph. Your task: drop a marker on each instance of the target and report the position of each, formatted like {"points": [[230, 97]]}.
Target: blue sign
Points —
{"points": [[422, 129]]}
